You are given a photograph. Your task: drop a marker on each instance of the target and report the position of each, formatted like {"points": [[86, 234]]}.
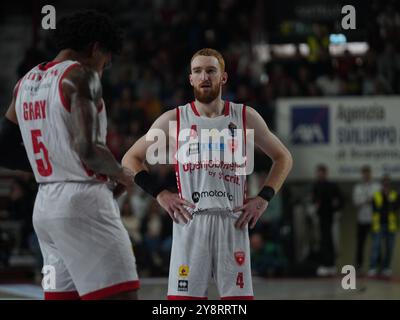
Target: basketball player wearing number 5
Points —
{"points": [[211, 212], [57, 111]]}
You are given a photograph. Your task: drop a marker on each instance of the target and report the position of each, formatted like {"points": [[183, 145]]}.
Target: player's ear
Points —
{"points": [[190, 79], [224, 77]]}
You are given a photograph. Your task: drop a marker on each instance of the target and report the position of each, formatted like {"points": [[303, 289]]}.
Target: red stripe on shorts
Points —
{"points": [[112, 290], [185, 298], [67, 295]]}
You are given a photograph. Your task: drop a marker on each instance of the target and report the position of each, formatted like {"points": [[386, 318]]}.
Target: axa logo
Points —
{"points": [[310, 125]]}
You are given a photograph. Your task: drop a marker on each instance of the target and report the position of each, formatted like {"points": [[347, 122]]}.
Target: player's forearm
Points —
{"points": [[134, 162], [100, 159], [279, 171]]}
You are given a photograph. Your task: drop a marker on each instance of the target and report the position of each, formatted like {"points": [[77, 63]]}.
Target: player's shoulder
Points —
{"points": [[253, 118], [163, 120], [250, 110], [82, 79], [81, 74], [241, 106], [252, 113], [170, 114]]}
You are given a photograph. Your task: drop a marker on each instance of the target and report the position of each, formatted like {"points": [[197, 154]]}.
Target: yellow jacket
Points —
{"points": [[392, 214]]}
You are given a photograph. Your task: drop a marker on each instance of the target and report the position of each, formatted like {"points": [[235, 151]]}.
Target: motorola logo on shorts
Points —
{"points": [[196, 196]]}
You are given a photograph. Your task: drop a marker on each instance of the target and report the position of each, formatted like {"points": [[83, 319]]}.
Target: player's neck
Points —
{"points": [[210, 110], [68, 54]]}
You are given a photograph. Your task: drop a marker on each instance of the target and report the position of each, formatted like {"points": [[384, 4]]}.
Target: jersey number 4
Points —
{"points": [[41, 154], [239, 280]]}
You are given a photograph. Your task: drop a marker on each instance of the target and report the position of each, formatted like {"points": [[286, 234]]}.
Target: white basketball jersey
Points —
{"points": [[208, 167], [45, 122]]}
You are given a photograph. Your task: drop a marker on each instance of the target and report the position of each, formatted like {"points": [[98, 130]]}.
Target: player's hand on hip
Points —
{"points": [[251, 212], [174, 205]]}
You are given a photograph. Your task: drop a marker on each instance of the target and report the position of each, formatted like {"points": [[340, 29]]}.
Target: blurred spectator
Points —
{"points": [[346, 64], [389, 23], [114, 140], [363, 193], [267, 257], [131, 222], [266, 104], [328, 200], [318, 42], [389, 66], [149, 84], [151, 230], [329, 84], [280, 80], [374, 84], [123, 111], [303, 80], [384, 228], [150, 105], [6, 246]]}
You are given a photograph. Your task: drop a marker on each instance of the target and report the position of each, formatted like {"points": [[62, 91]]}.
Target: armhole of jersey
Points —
{"points": [[178, 178], [244, 123], [64, 102], [245, 150], [194, 109], [226, 108]]}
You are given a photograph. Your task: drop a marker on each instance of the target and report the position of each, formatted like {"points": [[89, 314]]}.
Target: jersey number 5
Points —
{"points": [[41, 154]]}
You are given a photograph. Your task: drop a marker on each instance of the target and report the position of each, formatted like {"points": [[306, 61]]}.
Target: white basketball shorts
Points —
{"points": [[83, 241], [210, 246]]}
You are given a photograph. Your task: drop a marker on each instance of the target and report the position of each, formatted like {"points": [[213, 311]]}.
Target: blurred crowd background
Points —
{"points": [[151, 76]]}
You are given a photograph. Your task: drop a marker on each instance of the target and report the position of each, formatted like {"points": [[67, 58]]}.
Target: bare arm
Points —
{"points": [[83, 89], [272, 147], [282, 164], [135, 159]]}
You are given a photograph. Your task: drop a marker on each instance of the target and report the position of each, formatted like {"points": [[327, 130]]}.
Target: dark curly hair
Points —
{"points": [[80, 29]]}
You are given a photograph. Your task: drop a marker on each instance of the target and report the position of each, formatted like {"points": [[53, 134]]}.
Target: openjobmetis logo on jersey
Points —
{"points": [[230, 145]]}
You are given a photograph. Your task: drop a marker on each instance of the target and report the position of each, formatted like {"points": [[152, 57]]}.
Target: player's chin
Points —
{"points": [[206, 97]]}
